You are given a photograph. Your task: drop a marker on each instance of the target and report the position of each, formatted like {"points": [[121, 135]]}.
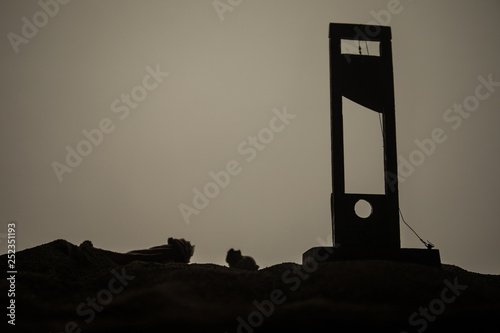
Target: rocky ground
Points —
{"points": [[61, 289]]}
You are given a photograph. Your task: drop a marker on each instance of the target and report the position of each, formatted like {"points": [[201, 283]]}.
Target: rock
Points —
{"points": [[236, 260]]}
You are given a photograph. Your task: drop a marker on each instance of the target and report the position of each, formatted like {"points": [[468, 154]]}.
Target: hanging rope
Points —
{"points": [[366, 45], [381, 128], [428, 244]]}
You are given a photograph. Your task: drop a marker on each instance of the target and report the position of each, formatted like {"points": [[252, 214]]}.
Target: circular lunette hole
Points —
{"points": [[363, 209]]}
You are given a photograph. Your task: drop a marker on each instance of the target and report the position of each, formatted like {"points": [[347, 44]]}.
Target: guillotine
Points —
{"points": [[366, 80]]}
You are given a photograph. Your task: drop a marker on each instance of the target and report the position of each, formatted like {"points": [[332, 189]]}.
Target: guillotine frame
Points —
{"points": [[368, 81]]}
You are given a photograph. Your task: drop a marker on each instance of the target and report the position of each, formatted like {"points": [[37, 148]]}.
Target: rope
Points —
{"points": [[427, 244]]}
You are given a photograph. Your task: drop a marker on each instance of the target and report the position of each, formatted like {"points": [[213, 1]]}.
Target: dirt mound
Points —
{"points": [[60, 288]]}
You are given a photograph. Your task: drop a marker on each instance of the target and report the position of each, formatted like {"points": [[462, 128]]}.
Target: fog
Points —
{"points": [[116, 115]]}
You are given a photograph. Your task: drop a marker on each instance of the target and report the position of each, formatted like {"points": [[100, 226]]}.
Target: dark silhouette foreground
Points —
{"points": [[99, 294]]}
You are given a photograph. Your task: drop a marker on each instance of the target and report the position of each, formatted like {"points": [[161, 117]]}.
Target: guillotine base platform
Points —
{"points": [[429, 257]]}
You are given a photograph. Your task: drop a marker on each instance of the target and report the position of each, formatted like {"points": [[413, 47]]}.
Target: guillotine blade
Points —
{"points": [[361, 77]]}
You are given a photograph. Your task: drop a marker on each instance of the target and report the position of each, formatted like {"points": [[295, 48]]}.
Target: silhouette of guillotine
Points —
{"points": [[368, 81]]}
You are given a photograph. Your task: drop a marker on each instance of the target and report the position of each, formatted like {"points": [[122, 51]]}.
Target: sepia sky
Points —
{"points": [[128, 122]]}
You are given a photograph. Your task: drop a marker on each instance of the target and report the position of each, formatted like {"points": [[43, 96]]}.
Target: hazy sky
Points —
{"points": [[160, 96]]}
